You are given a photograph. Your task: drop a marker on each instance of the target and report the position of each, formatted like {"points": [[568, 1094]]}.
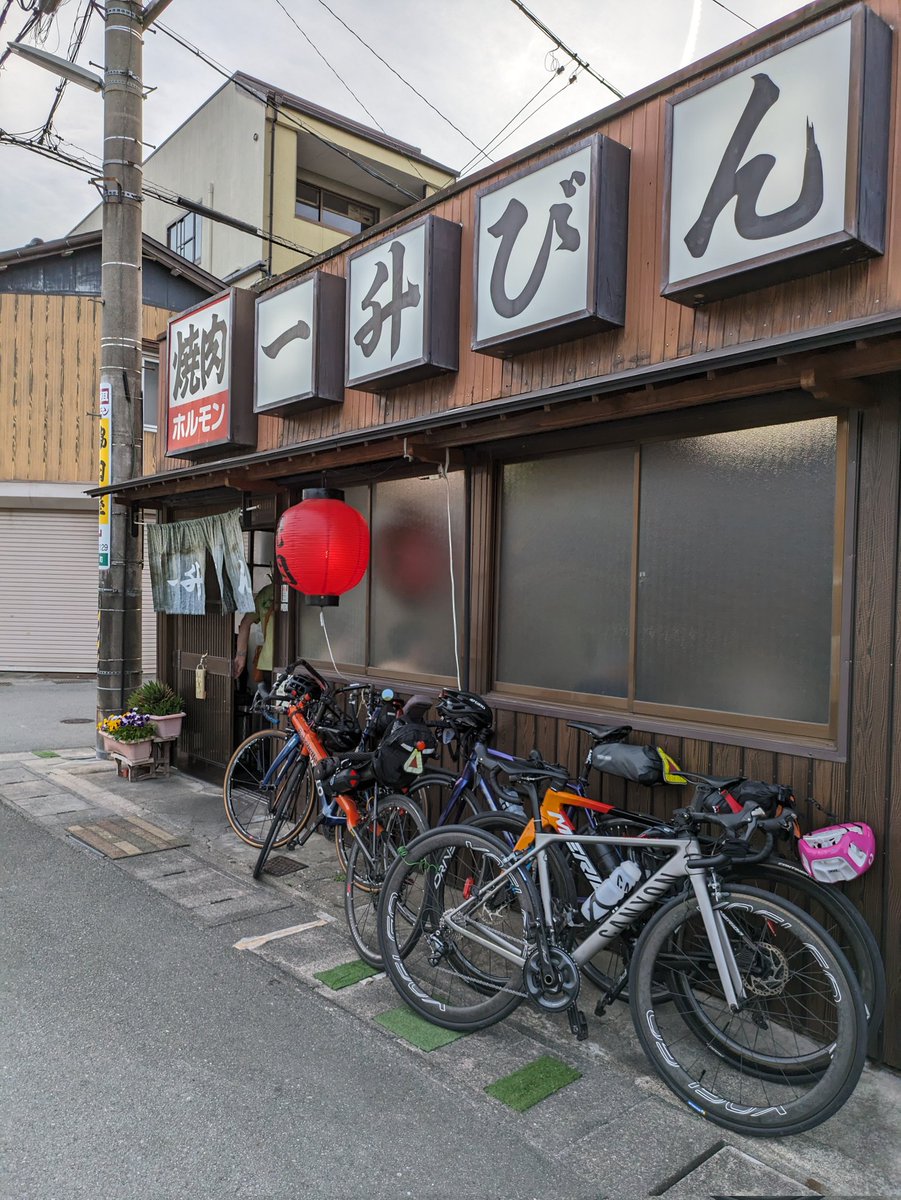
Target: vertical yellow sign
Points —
{"points": [[106, 406]]}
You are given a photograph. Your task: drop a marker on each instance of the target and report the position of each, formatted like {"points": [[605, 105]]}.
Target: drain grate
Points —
{"points": [[279, 864], [76, 720]]}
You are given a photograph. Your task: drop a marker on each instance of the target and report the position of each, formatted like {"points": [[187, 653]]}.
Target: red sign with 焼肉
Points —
{"points": [[199, 368]]}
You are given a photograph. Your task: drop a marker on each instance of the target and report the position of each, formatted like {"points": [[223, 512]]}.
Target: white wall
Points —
{"points": [[216, 158]]}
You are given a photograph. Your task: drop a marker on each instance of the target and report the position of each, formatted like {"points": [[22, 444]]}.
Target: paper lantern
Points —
{"points": [[322, 546]]}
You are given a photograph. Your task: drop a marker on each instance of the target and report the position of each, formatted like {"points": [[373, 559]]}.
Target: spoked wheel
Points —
{"points": [[792, 1054], [252, 792], [379, 839], [453, 940], [283, 825]]}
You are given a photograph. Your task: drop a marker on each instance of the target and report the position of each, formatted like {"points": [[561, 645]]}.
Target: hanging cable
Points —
{"points": [[78, 36], [327, 642], [733, 13], [442, 471]]}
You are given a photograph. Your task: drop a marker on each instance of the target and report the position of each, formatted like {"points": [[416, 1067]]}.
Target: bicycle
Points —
{"points": [[476, 796], [271, 760], [306, 748], [745, 1008]]}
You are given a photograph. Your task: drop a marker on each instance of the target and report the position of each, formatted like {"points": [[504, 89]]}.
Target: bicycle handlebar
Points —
{"points": [[736, 846]]}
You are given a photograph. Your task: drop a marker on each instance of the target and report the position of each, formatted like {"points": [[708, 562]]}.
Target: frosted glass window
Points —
{"points": [[566, 573], [735, 571], [412, 626], [345, 624]]}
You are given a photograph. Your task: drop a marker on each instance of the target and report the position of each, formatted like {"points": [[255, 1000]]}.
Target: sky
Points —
{"points": [[476, 61]]}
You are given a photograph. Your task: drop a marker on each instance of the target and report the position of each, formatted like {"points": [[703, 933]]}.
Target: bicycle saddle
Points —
{"points": [[602, 733], [719, 782]]}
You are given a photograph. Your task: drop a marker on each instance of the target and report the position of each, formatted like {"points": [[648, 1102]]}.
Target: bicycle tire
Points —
{"points": [[284, 818], [432, 794], [394, 822], [249, 806], [830, 908], [789, 965], [439, 973]]}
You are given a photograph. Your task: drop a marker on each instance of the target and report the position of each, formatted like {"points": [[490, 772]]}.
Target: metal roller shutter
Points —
{"points": [[48, 593]]}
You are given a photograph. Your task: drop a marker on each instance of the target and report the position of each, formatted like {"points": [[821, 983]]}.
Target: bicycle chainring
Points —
{"points": [[562, 992]]}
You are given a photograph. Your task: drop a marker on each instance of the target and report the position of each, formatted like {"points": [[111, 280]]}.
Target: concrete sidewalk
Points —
{"points": [[623, 1129]]}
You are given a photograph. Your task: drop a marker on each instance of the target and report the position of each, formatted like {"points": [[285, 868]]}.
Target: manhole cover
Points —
{"points": [[280, 865], [76, 720]]}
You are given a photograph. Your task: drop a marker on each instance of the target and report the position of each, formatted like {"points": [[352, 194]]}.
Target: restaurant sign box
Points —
{"points": [[550, 250], [403, 306], [777, 166], [299, 346], [209, 377]]}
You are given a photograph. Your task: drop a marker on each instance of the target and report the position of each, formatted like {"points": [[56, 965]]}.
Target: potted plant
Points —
{"points": [[129, 735], [162, 704]]}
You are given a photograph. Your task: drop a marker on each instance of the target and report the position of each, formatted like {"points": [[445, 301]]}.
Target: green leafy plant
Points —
{"points": [[135, 733], [156, 698]]}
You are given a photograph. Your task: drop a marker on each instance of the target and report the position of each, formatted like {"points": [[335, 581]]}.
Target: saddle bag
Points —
{"points": [[639, 764]]}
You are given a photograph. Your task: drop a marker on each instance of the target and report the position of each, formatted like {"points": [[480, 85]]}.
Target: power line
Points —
{"points": [[733, 13], [156, 192], [563, 46], [342, 81], [490, 144], [396, 73], [569, 82], [230, 75], [75, 42]]}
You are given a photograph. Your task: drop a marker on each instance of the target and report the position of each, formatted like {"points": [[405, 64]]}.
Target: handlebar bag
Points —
{"points": [[640, 764], [771, 797], [402, 754]]}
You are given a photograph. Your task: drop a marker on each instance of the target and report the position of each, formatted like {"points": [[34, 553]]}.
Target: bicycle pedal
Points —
{"points": [[578, 1023]]}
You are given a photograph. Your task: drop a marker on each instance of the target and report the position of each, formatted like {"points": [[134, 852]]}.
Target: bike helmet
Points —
{"points": [[838, 852], [465, 712]]}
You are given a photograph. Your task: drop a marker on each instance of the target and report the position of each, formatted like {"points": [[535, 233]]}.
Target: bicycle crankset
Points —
{"points": [[554, 989]]}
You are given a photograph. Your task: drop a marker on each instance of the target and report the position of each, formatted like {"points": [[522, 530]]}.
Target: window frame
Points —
{"points": [[322, 218], [195, 239], [829, 733]]}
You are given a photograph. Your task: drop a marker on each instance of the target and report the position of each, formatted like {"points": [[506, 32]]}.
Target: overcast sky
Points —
{"points": [[476, 61]]}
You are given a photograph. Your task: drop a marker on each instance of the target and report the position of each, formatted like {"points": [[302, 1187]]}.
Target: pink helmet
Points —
{"points": [[838, 852]]}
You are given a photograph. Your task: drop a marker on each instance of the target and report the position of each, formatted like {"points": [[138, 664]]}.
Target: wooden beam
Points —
{"points": [[822, 384]]}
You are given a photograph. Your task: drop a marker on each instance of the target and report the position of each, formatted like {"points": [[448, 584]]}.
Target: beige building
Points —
{"points": [[278, 163]]}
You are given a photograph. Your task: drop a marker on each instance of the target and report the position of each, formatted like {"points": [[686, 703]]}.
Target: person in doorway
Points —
{"points": [[260, 667]]}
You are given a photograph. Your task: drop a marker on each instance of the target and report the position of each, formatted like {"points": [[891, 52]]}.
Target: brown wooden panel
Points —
{"points": [[891, 849]]}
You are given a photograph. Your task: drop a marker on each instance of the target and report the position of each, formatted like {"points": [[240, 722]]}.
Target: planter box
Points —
{"points": [[169, 726], [132, 752]]}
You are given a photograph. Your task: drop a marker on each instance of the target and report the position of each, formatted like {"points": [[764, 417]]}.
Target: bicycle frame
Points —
{"points": [[624, 915]]}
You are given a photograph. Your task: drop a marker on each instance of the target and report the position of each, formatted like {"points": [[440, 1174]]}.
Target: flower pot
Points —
{"points": [[133, 752], [168, 726], [109, 743]]}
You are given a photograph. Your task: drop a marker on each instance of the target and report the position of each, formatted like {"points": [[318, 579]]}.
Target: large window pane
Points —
{"points": [[565, 573], [412, 624], [346, 624], [736, 538]]}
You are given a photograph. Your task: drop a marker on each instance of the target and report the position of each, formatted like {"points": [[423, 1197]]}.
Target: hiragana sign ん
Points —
{"points": [[299, 345], [778, 166], [550, 250], [208, 373], [402, 306]]}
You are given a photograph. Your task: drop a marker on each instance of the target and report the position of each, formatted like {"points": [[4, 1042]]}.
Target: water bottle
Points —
{"points": [[608, 894]]}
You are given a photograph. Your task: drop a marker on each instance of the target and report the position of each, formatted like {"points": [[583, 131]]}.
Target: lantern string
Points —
{"points": [[327, 642], [442, 471]]}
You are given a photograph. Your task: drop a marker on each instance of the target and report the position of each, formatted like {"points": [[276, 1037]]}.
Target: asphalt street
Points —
{"points": [[144, 1057]]}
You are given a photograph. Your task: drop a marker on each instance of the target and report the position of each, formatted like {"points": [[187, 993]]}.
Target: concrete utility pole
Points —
{"points": [[119, 601], [119, 616]]}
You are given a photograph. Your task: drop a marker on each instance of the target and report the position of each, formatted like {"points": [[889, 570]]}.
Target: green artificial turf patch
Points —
{"points": [[416, 1030], [343, 976], [535, 1082], [45, 754]]}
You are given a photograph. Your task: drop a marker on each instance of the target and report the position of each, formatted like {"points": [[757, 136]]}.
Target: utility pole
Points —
{"points": [[119, 591]]}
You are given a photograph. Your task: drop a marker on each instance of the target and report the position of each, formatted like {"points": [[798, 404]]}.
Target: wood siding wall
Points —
{"points": [[49, 379], [656, 330]]}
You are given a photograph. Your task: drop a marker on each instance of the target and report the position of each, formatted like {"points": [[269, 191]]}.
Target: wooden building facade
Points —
{"points": [[673, 500]]}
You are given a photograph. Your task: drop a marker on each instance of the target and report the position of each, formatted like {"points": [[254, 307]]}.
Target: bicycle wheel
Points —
{"points": [[283, 824], [432, 794], [250, 803], [831, 909], [803, 1009], [395, 821], [444, 973]]}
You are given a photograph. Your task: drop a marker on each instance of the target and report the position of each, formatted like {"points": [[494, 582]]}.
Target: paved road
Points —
{"points": [[143, 1057], [39, 712]]}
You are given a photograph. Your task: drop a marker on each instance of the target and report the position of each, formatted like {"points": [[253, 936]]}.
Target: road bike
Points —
{"points": [[745, 1007]]}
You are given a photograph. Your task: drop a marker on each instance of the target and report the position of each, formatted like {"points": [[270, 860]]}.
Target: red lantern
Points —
{"points": [[322, 546]]}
